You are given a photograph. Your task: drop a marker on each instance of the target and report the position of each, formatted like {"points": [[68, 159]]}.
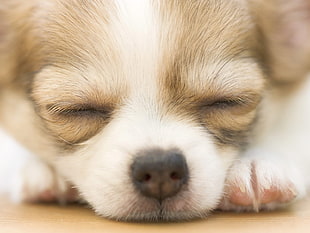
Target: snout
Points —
{"points": [[178, 175], [159, 174]]}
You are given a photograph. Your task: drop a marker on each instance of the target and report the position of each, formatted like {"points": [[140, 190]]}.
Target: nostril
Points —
{"points": [[147, 178], [175, 176]]}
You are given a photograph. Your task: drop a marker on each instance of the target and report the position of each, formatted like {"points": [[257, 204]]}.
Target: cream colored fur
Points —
{"points": [[86, 85]]}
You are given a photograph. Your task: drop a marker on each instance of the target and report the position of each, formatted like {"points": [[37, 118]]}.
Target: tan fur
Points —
{"points": [[64, 78], [70, 93], [285, 37], [19, 55], [201, 69], [25, 60], [65, 46], [18, 117], [48, 47], [17, 61]]}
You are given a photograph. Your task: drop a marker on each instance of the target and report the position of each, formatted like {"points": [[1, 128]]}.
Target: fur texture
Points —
{"points": [[86, 85]]}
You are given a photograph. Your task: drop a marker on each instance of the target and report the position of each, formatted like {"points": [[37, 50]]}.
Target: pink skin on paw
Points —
{"points": [[50, 195], [237, 197], [277, 195], [259, 195], [71, 195], [47, 196]]}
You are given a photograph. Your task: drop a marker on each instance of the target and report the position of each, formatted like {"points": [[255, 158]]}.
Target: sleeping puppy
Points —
{"points": [[158, 109]]}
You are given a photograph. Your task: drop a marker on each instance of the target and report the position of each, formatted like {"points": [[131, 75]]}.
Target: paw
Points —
{"points": [[260, 184], [37, 182]]}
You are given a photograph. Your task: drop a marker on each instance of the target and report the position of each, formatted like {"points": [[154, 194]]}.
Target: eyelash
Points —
{"points": [[80, 111], [229, 103], [105, 112]]}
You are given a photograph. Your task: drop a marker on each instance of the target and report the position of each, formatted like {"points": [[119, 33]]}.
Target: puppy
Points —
{"points": [[158, 110]]}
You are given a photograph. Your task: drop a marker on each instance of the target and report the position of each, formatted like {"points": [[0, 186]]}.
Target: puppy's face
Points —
{"points": [[124, 82], [144, 105]]}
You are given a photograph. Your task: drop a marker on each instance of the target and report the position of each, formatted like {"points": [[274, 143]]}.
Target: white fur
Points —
{"points": [[137, 34], [12, 157], [101, 169], [106, 160], [280, 154], [24, 176]]}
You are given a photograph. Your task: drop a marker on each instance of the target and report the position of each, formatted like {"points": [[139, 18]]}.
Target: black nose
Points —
{"points": [[159, 174]]}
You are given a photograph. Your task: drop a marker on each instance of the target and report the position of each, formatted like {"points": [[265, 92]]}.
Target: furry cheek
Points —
{"points": [[105, 162]]}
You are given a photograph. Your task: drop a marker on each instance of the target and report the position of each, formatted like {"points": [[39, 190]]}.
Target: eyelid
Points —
{"points": [[224, 100], [231, 101], [78, 109], [223, 103]]}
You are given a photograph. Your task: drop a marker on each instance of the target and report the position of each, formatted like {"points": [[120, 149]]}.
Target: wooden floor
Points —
{"points": [[78, 219]]}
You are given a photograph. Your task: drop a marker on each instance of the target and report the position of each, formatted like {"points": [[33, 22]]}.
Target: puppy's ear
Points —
{"points": [[7, 49], [285, 28], [17, 41]]}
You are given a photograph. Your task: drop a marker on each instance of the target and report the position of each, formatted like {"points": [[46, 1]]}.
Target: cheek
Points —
{"points": [[208, 166], [73, 130], [105, 165], [230, 129]]}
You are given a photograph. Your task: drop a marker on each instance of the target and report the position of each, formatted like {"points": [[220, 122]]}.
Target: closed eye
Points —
{"points": [[247, 101], [226, 103], [73, 122], [80, 110]]}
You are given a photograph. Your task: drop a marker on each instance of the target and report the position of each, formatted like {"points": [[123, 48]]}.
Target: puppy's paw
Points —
{"points": [[260, 184], [38, 182]]}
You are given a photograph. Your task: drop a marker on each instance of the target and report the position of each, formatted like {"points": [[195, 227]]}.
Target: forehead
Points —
{"points": [[130, 43]]}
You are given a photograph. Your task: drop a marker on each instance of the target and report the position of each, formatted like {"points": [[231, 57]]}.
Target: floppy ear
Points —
{"points": [[285, 28], [16, 41], [7, 50]]}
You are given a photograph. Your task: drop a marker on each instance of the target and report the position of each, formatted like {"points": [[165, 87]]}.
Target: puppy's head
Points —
{"points": [[147, 103]]}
